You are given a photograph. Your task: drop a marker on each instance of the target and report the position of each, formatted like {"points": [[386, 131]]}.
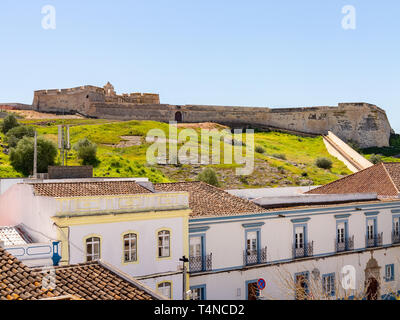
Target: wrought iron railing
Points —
{"points": [[375, 241], [255, 256], [307, 250], [395, 237], [200, 263], [346, 245]]}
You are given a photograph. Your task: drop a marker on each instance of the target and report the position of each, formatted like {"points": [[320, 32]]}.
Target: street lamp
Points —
{"points": [[184, 260]]}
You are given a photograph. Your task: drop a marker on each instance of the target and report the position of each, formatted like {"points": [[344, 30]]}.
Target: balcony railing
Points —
{"points": [[306, 251], [200, 263], [347, 245], [255, 256], [395, 237], [375, 241]]}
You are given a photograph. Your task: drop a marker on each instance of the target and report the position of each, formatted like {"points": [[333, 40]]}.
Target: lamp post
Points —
{"points": [[184, 260]]}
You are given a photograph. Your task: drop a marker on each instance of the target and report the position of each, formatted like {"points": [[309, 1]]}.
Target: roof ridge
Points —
{"points": [[390, 177]]}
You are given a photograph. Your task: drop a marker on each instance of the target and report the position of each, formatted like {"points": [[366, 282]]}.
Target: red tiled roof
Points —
{"points": [[89, 281], [382, 179], [80, 189], [207, 200]]}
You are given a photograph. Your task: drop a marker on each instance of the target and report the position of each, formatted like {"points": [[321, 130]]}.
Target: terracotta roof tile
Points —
{"points": [[207, 200], [382, 179], [17, 281], [80, 189]]}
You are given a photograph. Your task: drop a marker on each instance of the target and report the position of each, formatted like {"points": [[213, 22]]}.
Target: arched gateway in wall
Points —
{"points": [[178, 116]]}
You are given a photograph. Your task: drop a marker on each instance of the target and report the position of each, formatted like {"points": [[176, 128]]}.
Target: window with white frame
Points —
{"points": [[164, 244], [328, 284], [195, 247], [164, 288], [92, 248], [198, 293], [341, 232], [299, 238], [389, 272], [130, 247], [252, 242]]}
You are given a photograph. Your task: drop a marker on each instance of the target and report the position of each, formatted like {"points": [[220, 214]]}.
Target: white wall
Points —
{"points": [[225, 239], [232, 285]]}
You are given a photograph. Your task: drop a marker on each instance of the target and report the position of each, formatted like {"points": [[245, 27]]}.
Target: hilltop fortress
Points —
{"points": [[363, 123]]}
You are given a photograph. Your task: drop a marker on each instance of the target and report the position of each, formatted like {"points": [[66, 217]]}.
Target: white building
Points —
{"points": [[305, 242], [119, 221]]}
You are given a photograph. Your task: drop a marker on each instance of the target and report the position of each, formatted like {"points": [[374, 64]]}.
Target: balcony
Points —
{"points": [[200, 263], [306, 251], [347, 245], [395, 237], [251, 257], [375, 241]]}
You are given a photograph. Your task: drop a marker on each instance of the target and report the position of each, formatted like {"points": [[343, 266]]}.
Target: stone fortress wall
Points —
{"points": [[363, 123]]}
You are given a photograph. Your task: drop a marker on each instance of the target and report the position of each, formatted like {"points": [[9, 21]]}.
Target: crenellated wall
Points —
{"points": [[363, 123]]}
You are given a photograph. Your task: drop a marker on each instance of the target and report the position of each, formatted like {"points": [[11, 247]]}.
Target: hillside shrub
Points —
{"points": [[323, 163], [87, 152], [209, 176]]}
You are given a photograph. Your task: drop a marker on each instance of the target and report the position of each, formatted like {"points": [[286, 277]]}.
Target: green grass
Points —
{"points": [[297, 164]]}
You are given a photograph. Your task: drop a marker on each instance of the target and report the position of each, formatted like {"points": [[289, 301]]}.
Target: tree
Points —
{"points": [[86, 151], [209, 176], [21, 157], [17, 133], [8, 123]]}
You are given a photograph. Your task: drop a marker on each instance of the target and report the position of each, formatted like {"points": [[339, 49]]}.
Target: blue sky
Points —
{"points": [[252, 53]]}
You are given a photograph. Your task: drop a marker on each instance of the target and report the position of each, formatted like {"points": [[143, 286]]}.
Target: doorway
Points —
{"points": [[178, 116]]}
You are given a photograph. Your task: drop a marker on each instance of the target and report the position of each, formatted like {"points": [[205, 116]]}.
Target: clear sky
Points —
{"points": [[284, 53]]}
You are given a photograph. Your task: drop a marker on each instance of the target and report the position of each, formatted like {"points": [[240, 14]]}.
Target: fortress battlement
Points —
{"points": [[361, 122]]}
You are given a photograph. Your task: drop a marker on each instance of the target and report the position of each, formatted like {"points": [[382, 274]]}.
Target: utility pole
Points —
{"points": [[35, 157], [184, 260]]}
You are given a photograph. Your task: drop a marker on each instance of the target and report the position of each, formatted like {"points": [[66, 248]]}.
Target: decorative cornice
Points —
{"points": [[299, 220], [371, 213], [198, 229], [342, 216], [252, 225]]}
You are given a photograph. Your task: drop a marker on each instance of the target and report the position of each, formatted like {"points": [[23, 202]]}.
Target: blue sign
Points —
{"points": [[261, 284]]}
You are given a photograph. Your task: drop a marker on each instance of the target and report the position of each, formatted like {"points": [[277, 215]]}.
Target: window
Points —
{"points": [[252, 242], [389, 272], [195, 247], [199, 293], [396, 228], [341, 232], [301, 286], [92, 248], [299, 238], [164, 288], [164, 244], [130, 247], [328, 284], [371, 229], [253, 293]]}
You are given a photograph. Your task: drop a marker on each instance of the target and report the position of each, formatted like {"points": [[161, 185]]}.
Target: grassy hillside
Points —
{"points": [[287, 160]]}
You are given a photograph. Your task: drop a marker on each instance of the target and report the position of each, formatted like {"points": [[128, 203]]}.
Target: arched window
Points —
{"points": [[163, 244], [92, 248], [164, 288], [130, 247]]}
